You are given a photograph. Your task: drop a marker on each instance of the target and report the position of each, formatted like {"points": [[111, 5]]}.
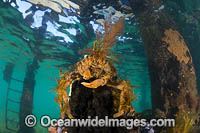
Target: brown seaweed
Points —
{"points": [[104, 42]]}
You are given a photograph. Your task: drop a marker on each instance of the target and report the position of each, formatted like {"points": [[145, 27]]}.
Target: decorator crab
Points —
{"points": [[97, 66]]}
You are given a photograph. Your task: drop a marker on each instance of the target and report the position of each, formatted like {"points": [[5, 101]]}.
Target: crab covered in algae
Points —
{"points": [[97, 66]]}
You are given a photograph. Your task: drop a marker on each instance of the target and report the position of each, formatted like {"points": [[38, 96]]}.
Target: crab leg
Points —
{"points": [[94, 84], [66, 105], [124, 106], [64, 100]]}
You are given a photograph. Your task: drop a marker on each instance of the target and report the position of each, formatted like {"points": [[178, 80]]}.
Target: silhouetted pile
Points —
{"points": [[86, 102]]}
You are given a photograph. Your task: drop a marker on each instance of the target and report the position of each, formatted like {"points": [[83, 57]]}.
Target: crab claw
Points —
{"points": [[94, 84]]}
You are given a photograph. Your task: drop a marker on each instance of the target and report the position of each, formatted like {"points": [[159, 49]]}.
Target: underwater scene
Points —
{"points": [[133, 62]]}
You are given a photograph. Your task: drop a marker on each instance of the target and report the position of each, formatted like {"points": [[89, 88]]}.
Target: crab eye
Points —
{"points": [[85, 56]]}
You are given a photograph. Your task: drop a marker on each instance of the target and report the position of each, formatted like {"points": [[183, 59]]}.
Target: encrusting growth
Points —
{"points": [[97, 66]]}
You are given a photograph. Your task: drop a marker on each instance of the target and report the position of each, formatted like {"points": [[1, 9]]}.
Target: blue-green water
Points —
{"points": [[20, 44], [55, 46]]}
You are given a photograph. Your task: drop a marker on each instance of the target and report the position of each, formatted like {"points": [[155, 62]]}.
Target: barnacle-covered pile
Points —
{"points": [[96, 65]]}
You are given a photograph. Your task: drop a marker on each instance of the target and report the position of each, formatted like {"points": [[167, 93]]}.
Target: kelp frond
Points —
{"points": [[102, 45], [184, 122], [111, 31]]}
